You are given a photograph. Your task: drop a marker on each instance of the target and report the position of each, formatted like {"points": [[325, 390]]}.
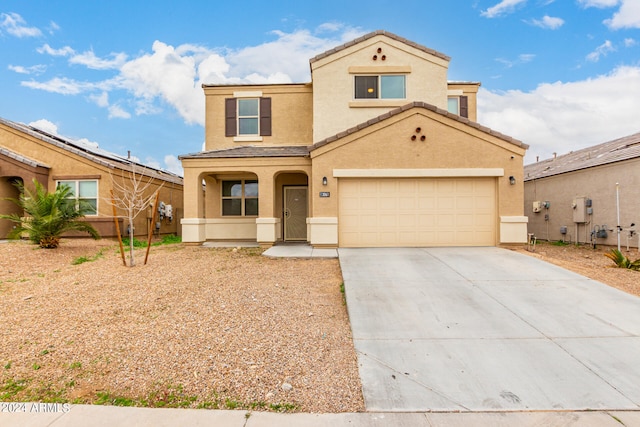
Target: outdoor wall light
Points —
{"points": [[512, 180], [324, 180]]}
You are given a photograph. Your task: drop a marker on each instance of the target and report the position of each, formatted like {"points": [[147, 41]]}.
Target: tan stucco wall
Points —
{"points": [[290, 112], [69, 166], [448, 145], [598, 184], [334, 107]]}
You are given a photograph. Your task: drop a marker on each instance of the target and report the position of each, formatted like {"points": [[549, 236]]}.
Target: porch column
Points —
{"points": [[193, 223], [267, 225]]}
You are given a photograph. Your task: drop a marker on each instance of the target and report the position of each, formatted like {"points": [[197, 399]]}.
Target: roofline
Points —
{"points": [[116, 162], [418, 104], [22, 159], [374, 34], [206, 85]]}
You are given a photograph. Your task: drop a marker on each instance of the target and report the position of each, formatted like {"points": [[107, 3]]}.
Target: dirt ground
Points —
{"points": [[589, 262], [195, 327]]}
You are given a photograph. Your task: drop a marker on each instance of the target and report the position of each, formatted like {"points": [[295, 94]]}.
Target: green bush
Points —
{"points": [[622, 261]]}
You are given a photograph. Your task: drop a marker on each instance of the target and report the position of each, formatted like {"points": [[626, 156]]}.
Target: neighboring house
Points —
{"points": [[27, 153], [569, 197], [367, 154]]}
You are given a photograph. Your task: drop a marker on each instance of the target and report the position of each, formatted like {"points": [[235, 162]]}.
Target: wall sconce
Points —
{"points": [[324, 180], [512, 180]]}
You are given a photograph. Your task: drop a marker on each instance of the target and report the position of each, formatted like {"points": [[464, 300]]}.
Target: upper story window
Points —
{"points": [[247, 117], [85, 192], [380, 87], [458, 105]]}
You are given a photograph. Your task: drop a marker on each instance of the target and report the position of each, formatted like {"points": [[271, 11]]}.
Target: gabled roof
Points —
{"points": [[96, 155], [618, 150], [251, 151], [417, 104], [379, 33], [22, 159]]}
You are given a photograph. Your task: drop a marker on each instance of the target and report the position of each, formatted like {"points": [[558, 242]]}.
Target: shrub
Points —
{"points": [[622, 261]]}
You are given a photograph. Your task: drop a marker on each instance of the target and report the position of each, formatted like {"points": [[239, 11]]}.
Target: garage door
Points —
{"points": [[417, 212]]}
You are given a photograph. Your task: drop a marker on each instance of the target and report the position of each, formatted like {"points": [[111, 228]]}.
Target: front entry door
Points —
{"points": [[295, 213]]}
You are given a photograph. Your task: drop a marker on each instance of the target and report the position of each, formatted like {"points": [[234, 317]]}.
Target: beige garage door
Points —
{"points": [[417, 212]]}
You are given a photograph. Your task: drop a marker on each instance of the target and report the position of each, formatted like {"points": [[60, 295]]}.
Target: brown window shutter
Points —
{"points": [[464, 106], [230, 117], [265, 116]]}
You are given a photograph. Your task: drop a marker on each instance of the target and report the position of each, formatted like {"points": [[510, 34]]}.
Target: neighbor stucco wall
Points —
{"points": [[597, 184], [291, 115], [334, 106], [65, 165]]}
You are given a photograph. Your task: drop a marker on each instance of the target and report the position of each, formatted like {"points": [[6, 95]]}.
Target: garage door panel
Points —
{"points": [[417, 212]]}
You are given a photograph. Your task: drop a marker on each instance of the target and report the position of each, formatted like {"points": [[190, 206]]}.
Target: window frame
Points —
{"points": [[252, 117], [76, 193], [378, 91], [243, 197]]}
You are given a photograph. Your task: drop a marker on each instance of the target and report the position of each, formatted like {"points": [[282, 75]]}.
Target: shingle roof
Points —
{"points": [[22, 159], [417, 104], [250, 151], [620, 149], [378, 33], [96, 155]]}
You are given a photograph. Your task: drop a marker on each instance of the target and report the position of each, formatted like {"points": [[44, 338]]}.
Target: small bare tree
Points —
{"points": [[131, 195]]}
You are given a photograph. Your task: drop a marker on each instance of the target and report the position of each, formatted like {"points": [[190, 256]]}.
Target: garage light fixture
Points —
{"points": [[512, 180], [324, 180]]}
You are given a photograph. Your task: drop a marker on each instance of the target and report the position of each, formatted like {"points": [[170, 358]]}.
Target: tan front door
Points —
{"points": [[417, 212], [295, 213]]}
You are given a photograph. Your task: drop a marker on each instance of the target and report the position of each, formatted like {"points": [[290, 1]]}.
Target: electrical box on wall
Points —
{"points": [[537, 206], [579, 210]]}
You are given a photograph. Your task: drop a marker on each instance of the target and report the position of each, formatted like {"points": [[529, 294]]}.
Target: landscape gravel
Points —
{"points": [[196, 327]]}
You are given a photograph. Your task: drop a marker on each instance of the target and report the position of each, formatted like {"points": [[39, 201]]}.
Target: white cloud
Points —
{"points": [[502, 8], [548, 22], [90, 60], [64, 51], [117, 112], [46, 126], [601, 4], [627, 17], [53, 27], [629, 42], [34, 69], [15, 25], [173, 164], [89, 144], [101, 100], [523, 58], [601, 50], [63, 86], [562, 117]]}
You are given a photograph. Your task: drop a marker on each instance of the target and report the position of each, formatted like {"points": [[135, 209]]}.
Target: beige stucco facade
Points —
{"points": [[321, 134], [29, 154]]}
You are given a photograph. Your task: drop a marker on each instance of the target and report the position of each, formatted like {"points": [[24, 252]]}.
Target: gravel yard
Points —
{"points": [[195, 327]]}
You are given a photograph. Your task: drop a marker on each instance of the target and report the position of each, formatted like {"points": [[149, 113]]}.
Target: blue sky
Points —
{"points": [[557, 74]]}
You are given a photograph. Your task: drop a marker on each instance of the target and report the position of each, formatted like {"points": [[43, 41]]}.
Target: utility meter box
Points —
{"points": [[579, 210], [537, 206]]}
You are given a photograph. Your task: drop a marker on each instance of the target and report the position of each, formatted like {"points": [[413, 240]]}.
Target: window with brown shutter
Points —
{"points": [[464, 106], [230, 126]]}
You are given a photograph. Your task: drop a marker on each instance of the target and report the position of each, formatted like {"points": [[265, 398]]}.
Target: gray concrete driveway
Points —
{"points": [[487, 329]]}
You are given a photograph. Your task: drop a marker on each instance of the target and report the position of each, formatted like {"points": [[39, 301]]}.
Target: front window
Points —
{"points": [[380, 87], [240, 198], [85, 192], [248, 117]]}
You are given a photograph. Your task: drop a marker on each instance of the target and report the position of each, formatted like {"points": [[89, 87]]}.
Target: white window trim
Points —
{"points": [[76, 192], [252, 136]]}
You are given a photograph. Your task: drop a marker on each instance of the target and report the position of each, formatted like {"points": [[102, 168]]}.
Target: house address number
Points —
{"points": [[325, 194]]}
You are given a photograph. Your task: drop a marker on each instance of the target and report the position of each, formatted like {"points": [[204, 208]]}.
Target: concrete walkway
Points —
{"points": [[488, 329], [112, 416]]}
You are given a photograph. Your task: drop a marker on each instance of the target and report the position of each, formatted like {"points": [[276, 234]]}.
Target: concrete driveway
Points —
{"points": [[488, 329]]}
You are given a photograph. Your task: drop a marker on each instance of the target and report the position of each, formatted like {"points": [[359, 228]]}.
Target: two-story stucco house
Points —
{"points": [[378, 150]]}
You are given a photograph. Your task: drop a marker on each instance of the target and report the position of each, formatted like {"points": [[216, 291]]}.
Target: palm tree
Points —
{"points": [[49, 215]]}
